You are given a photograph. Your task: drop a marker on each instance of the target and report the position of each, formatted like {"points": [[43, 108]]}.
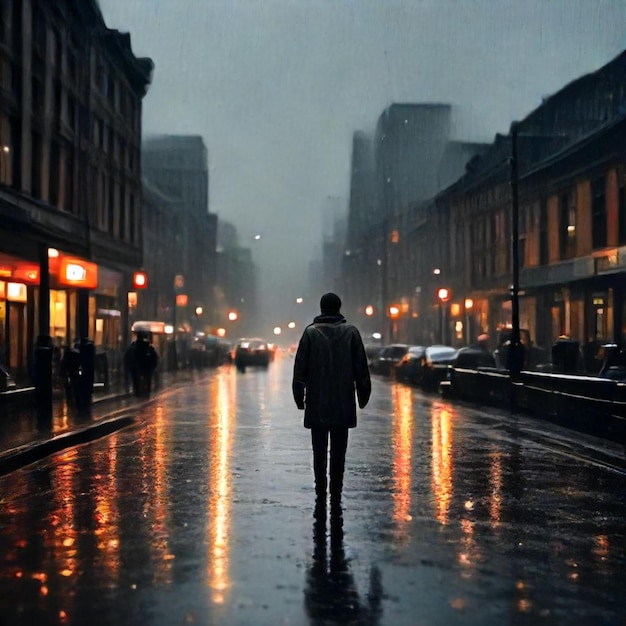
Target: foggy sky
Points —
{"points": [[277, 87]]}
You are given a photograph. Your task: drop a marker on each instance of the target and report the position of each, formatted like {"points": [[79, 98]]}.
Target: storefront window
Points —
{"points": [[3, 317], [58, 317]]}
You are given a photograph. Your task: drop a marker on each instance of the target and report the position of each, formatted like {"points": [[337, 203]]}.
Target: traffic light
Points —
{"points": [[444, 294], [140, 280]]}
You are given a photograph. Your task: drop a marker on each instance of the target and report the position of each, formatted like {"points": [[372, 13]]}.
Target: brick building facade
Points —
{"points": [[70, 134]]}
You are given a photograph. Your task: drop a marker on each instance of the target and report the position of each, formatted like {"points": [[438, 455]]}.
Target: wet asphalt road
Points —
{"points": [[202, 514]]}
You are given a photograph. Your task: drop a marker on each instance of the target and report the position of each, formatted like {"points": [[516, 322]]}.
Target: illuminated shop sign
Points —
{"points": [[27, 272], [75, 272], [66, 270]]}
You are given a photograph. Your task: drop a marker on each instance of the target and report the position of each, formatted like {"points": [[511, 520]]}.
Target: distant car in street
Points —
{"points": [[409, 368], [252, 352], [435, 364]]}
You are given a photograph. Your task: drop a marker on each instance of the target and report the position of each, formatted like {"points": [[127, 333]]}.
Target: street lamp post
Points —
{"points": [[469, 304], [43, 349], [444, 295], [515, 355], [394, 313]]}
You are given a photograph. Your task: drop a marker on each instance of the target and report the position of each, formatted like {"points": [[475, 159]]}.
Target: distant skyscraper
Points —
{"points": [[410, 140], [178, 166]]}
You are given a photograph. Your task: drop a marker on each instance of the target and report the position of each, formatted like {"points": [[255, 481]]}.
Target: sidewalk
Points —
{"points": [[24, 441]]}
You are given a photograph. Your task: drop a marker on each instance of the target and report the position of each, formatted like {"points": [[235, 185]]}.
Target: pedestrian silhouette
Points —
{"points": [[141, 360], [330, 365], [70, 372]]}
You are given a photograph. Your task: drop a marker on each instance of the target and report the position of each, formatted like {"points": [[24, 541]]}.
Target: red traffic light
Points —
{"points": [[444, 294], [140, 280]]}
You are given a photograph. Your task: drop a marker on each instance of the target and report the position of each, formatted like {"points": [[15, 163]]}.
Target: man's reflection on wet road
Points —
{"points": [[331, 591]]}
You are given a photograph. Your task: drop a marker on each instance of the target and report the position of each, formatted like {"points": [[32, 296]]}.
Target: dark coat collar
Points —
{"points": [[332, 318]]}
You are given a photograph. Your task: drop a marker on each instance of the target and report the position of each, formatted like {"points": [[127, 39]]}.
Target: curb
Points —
{"points": [[33, 452]]}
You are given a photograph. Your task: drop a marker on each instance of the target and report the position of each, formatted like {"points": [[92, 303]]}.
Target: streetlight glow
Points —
{"points": [[443, 294], [233, 316], [277, 330], [369, 310], [291, 325]]}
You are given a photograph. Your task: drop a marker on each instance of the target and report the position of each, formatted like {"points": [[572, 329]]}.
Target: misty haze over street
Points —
{"points": [[277, 89]]}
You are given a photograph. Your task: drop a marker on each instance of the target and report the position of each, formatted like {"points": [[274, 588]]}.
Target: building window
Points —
{"points": [[71, 118], [132, 218], [55, 170], [543, 232], [123, 208], [598, 213], [16, 84], [37, 104], [6, 158], [4, 20], [16, 152], [567, 226], [69, 180], [112, 207], [71, 66], [35, 178], [5, 74], [39, 28], [622, 212], [16, 31]]}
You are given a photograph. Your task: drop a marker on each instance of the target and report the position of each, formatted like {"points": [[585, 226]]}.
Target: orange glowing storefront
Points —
{"points": [[19, 296]]}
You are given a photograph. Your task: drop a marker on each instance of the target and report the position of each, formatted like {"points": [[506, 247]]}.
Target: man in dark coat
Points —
{"points": [[141, 359], [330, 365]]}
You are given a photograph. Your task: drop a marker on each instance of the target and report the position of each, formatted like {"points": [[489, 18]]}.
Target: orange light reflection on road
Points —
{"points": [[107, 511], [495, 480], [223, 402], [157, 477], [467, 554], [601, 550], [441, 479], [403, 449], [62, 520], [62, 523]]}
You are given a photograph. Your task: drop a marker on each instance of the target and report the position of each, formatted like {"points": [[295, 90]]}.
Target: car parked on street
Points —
{"points": [[409, 368], [384, 364], [436, 362]]}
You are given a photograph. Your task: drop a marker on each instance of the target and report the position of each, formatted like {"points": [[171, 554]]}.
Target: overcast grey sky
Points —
{"points": [[277, 87]]}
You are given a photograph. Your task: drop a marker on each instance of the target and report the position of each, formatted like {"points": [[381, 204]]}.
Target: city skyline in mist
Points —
{"points": [[277, 88]]}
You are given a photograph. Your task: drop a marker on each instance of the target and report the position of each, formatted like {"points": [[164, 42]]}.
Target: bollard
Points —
{"points": [[85, 381], [42, 377]]}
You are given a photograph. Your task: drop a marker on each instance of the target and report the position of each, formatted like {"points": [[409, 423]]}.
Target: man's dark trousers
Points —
{"points": [[338, 446]]}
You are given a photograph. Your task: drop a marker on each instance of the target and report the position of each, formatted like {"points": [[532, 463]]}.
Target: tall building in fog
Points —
{"points": [[237, 282], [177, 165], [410, 140]]}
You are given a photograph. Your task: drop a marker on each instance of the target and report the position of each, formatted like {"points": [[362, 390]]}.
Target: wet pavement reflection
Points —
{"points": [[202, 513]]}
